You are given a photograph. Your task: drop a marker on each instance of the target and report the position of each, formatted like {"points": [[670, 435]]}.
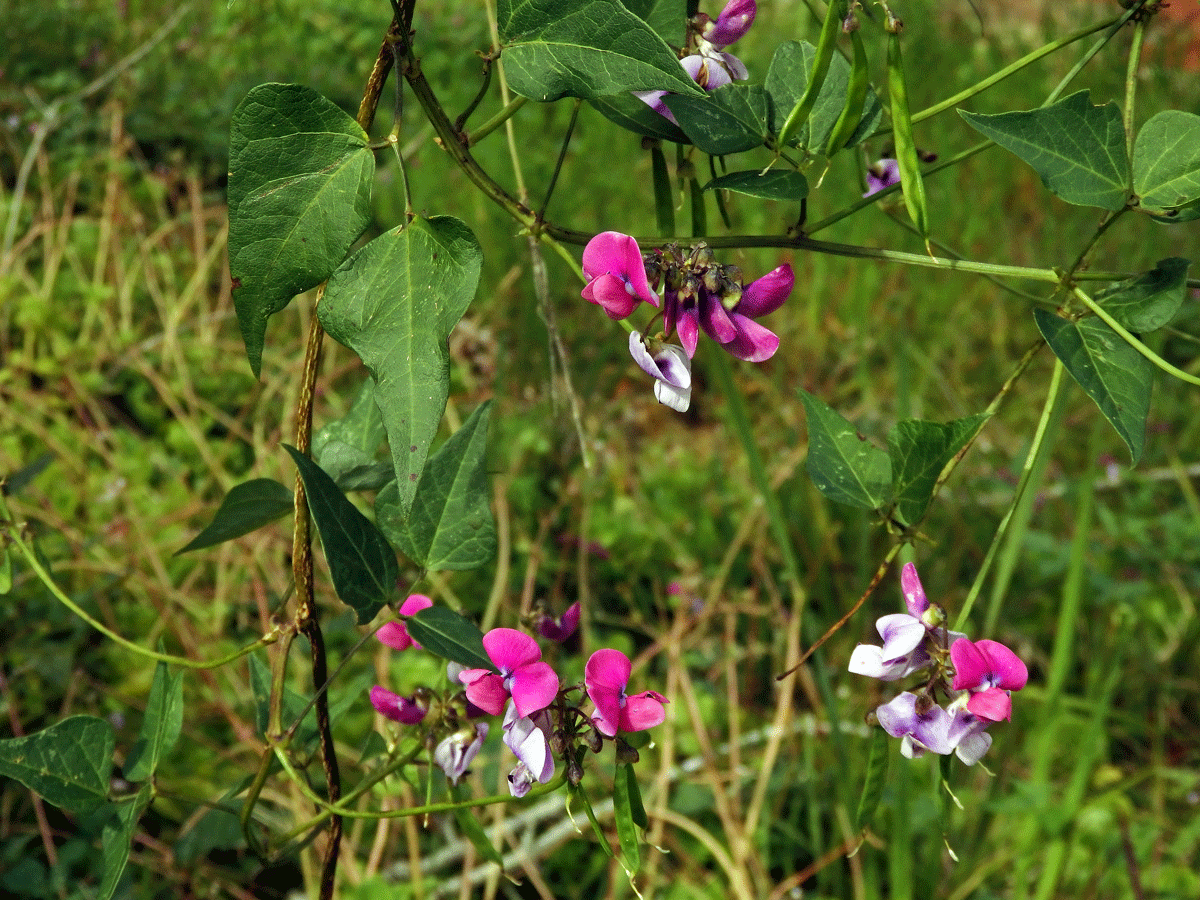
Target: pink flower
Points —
{"points": [[605, 676], [394, 634], [990, 671], [558, 630], [406, 710], [616, 274], [530, 682]]}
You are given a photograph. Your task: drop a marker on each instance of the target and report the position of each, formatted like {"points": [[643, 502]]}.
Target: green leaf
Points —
{"points": [[875, 780], [1150, 300], [346, 448], [667, 18], [117, 837], [774, 184], [450, 525], [633, 115], [919, 451], [584, 48], [247, 507], [361, 562], [844, 465], [299, 196], [731, 119], [160, 727], [395, 303], [469, 826], [1078, 149], [624, 786], [445, 633], [786, 82], [69, 764], [1111, 372], [6, 571], [1166, 162]]}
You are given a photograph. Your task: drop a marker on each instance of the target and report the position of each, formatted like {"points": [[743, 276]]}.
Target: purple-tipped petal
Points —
{"points": [[882, 174], [766, 294], [930, 729], [715, 320], [914, 594], [643, 711], [456, 752], [735, 67], [558, 630], [654, 99], [397, 708], [534, 686], [526, 738], [731, 24], [753, 343]]}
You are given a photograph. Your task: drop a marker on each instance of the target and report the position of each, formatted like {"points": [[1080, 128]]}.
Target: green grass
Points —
{"points": [[122, 360]]}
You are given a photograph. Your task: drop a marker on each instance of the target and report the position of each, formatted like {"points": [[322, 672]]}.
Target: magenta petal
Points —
{"points": [[395, 635], [993, 705], [643, 711], [397, 708], [1006, 667], [607, 669], [534, 687], [914, 594], [606, 253], [753, 343], [485, 689], [607, 718], [765, 295], [510, 649], [688, 329], [414, 604], [970, 665], [715, 321], [732, 23], [609, 292]]}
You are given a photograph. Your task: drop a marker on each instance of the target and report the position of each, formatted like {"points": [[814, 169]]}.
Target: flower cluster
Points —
{"points": [[539, 723], [698, 294], [977, 677], [708, 64]]}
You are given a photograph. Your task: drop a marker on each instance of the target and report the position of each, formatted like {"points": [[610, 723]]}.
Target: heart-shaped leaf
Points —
{"points": [[844, 466], [300, 177], [919, 451], [450, 525], [68, 764], [246, 508], [361, 562], [1111, 372], [1149, 301], [1078, 149], [395, 303], [1166, 163], [584, 48]]}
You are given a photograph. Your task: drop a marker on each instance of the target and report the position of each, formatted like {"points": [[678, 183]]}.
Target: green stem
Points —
{"points": [[1031, 460], [1134, 342], [474, 137], [12, 532]]}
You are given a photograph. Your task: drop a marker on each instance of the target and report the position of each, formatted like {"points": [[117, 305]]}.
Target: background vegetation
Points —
{"points": [[128, 411]]}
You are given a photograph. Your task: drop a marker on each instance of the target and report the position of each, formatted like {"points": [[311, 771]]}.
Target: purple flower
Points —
{"points": [[528, 739], [616, 274], [668, 365], [990, 671], [406, 710], [394, 634], [728, 317], [924, 726], [605, 676], [558, 630], [914, 594], [882, 174], [732, 23], [530, 682], [710, 68], [456, 752]]}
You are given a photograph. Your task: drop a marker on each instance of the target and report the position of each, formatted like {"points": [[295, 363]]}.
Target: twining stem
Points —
{"points": [[1031, 459], [1133, 341]]}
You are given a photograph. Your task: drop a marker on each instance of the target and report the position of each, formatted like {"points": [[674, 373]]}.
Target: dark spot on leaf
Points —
{"points": [[236, 283], [412, 477], [413, 448]]}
